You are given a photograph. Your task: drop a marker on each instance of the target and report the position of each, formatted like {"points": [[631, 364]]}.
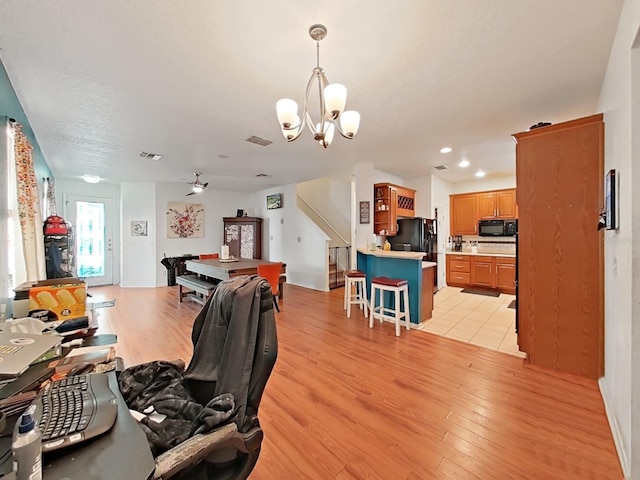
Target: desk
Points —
{"points": [[123, 452], [214, 268]]}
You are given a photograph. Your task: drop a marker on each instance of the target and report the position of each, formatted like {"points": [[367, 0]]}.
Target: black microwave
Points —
{"points": [[497, 228]]}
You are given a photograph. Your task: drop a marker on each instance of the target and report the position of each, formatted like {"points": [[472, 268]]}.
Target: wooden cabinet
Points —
{"points": [[469, 208], [243, 235], [500, 204], [560, 172], [390, 202], [464, 219], [458, 270], [506, 274], [482, 271]]}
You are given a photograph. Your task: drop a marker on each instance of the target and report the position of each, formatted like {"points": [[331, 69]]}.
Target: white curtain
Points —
{"points": [[30, 261], [7, 270]]}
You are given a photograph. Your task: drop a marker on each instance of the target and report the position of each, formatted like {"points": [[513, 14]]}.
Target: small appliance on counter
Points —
{"points": [[457, 243]]}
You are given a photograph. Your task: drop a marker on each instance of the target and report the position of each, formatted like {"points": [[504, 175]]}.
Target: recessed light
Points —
{"points": [[464, 163], [480, 173], [91, 178], [445, 150]]}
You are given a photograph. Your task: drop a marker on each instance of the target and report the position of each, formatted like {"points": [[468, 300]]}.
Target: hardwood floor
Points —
{"points": [[348, 402]]}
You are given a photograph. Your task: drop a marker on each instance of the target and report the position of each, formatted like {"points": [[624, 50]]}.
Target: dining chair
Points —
{"points": [[271, 272]]}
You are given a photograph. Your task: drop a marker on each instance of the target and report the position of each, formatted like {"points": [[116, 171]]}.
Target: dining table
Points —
{"points": [[225, 269]]}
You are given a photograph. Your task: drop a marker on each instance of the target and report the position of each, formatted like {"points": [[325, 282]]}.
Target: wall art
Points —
{"points": [[138, 228], [274, 201], [185, 220]]}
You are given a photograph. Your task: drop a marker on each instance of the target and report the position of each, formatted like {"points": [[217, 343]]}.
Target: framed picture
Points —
{"points": [[185, 220], [240, 212], [274, 201], [138, 228], [365, 212]]}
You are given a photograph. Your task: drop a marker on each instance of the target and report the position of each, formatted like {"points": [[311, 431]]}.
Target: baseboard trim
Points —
{"points": [[615, 430]]}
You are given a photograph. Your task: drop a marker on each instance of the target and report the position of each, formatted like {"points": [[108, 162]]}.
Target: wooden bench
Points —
{"points": [[281, 279], [198, 289]]}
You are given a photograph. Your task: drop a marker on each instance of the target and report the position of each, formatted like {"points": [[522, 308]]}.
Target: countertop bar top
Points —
{"points": [[392, 254], [484, 254], [428, 264]]}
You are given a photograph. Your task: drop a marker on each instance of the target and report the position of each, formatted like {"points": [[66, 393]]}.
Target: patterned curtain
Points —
{"points": [[29, 208]]}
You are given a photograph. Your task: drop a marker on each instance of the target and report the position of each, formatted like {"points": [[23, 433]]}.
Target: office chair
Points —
{"points": [[271, 272], [221, 359]]}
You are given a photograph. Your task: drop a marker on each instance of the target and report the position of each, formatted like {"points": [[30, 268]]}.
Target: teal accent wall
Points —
{"points": [[10, 107], [410, 270]]}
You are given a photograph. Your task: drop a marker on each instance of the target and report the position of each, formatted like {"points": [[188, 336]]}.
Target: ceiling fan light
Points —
{"points": [[350, 122], [335, 99], [287, 111], [197, 188]]}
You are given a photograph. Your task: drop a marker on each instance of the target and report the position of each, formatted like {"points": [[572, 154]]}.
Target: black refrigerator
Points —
{"points": [[418, 235]]}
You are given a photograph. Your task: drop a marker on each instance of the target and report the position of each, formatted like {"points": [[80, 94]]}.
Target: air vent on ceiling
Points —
{"points": [[263, 175], [441, 167], [152, 156], [259, 141]]}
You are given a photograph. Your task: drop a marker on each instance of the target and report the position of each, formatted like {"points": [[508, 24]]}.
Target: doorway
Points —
{"points": [[92, 222]]}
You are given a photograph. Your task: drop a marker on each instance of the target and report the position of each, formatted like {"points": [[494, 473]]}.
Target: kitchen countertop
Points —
{"points": [[484, 254], [428, 264], [393, 254]]}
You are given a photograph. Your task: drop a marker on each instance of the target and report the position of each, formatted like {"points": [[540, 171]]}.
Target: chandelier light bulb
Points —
{"points": [[349, 122], [332, 102], [335, 98], [287, 111]]}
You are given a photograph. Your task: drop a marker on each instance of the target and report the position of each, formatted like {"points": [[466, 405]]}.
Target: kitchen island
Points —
{"points": [[403, 265]]}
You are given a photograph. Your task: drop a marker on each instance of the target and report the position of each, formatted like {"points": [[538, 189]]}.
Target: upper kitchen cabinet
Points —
{"points": [[390, 202], [500, 204], [464, 216]]}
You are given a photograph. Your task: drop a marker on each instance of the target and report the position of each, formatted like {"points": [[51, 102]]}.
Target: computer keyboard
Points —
{"points": [[75, 409]]}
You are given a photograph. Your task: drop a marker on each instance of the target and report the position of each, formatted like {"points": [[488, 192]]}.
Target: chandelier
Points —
{"points": [[333, 98]]}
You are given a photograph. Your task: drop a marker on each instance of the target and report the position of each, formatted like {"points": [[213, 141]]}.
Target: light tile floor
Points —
{"points": [[478, 319]]}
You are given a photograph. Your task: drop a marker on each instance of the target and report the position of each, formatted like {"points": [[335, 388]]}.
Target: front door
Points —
{"points": [[92, 222]]}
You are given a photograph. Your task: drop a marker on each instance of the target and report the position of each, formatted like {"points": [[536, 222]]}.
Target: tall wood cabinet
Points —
{"points": [[559, 171], [243, 235]]}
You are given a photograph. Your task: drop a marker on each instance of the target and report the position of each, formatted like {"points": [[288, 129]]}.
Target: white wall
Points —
{"points": [[217, 204], [101, 190], [485, 184], [290, 237], [422, 186], [332, 200], [440, 191], [138, 255], [363, 175], [620, 103]]}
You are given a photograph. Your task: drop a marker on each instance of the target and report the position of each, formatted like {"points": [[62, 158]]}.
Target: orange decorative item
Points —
{"points": [[271, 272], [55, 225], [207, 256]]}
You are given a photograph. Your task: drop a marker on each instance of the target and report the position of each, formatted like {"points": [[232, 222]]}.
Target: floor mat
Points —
{"points": [[481, 291], [512, 304]]}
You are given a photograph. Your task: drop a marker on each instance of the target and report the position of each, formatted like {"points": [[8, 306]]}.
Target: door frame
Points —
{"points": [[110, 250]]}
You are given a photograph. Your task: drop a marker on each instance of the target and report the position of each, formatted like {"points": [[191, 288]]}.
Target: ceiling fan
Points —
{"points": [[197, 186]]}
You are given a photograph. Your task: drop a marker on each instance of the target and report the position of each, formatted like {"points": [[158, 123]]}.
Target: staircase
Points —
{"points": [[339, 261]]}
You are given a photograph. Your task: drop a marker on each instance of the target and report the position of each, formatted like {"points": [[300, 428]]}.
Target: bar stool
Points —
{"points": [[397, 286], [359, 297]]}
